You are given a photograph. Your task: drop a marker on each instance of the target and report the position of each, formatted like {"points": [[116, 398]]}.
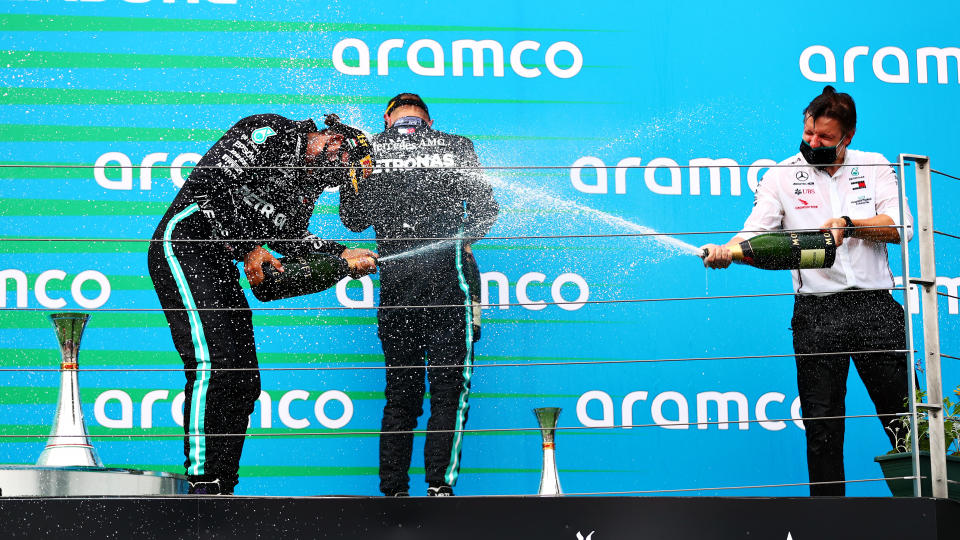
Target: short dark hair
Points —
{"points": [[836, 105], [407, 99]]}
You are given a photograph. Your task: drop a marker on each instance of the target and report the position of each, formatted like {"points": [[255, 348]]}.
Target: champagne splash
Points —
{"points": [[673, 245], [530, 195], [433, 246]]}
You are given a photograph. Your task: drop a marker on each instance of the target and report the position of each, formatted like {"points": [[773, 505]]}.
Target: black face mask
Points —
{"points": [[822, 155]]}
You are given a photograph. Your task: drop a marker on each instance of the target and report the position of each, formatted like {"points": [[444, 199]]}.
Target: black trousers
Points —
{"points": [[424, 342], [217, 403], [846, 323]]}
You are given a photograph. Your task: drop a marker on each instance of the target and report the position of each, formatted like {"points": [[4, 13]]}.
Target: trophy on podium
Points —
{"points": [[69, 445], [69, 466], [549, 481]]}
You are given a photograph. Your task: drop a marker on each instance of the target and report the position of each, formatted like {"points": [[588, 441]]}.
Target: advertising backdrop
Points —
{"points": [[626, 132]]}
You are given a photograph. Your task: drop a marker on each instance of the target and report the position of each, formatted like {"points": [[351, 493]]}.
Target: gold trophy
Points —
{"points": [[549, 481], [69, 445]]}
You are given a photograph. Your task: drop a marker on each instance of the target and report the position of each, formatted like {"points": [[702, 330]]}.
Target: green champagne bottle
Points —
{"points": [[300, 276], [786, 250]]}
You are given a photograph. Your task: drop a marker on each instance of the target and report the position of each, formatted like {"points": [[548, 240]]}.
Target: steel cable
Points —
{"points": [[416, 239], [941, 173], [465, 430], [434, 306], [474, 365], [723, 488], [416, 167]]}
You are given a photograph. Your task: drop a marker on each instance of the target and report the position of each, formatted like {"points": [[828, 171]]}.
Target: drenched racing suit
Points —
{"points": [[220, 214], [417, 193]]}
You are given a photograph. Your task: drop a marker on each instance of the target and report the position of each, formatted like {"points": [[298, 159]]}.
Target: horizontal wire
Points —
{"points": [[474, 365], [946, 234], [415, 167], [948, 295], [464, 430], [950, 356], [437, 306], [941, 173], [419, 239], [724, 488]]}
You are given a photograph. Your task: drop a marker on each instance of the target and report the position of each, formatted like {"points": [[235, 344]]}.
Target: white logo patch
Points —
{"points": [[259, 136]]}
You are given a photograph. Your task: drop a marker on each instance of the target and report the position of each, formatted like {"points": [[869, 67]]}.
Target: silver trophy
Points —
{"points": [[69, 445], [549, 481]]}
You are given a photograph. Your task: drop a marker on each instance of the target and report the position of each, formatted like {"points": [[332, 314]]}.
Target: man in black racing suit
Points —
{"points": [[425, 187], [250, 189]]}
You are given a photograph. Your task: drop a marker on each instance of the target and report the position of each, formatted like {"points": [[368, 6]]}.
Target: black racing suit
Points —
{"points": [[417, 191], [220, 214]]}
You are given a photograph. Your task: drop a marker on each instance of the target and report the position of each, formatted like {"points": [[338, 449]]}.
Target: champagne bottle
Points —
{"points": [[300, 276], [786, 250]]}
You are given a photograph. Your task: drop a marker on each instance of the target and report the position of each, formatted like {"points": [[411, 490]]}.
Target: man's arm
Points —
{"points": [[878, 228], [481, 206], [720, 256], [767, 215], [353, 212], [881, 228]]}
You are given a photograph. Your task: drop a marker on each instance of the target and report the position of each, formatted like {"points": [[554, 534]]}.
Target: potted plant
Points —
{"points": [[898, 462]]}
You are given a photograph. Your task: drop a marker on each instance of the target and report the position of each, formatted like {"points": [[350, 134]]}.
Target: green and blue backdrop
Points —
{"points": [[707, 95]]}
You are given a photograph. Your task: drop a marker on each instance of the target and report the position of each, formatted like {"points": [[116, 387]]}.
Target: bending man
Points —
{"points": [[249, 187]]}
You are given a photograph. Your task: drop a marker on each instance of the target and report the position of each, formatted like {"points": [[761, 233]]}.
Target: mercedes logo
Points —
{"points": [[802, 175]]}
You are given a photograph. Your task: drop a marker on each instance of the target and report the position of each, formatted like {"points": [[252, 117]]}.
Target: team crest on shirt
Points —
{"points": [[259, 136], [803, 204], [856, 179]]}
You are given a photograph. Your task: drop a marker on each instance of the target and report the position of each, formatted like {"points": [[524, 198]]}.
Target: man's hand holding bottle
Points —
{"points": [[361, 261]]}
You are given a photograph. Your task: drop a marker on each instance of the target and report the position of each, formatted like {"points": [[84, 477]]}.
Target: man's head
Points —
{"points": [[829, 123], [406, 104], [339, 144]]}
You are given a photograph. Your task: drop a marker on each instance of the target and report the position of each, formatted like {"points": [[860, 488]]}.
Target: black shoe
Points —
{"points": [[440, 491], [400, 494], [207, 488]]}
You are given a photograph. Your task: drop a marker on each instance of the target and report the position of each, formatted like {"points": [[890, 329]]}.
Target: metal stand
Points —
{"points": [[931, 331]]}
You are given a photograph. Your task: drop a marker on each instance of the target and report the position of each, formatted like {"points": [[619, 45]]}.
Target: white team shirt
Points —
{"points": [[801, 196]]}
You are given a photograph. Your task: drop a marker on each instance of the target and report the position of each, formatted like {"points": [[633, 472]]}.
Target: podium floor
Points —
{"points": [[486, 518]]}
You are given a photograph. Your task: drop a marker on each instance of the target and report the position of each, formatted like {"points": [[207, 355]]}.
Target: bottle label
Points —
{"points": [[812, 258]]}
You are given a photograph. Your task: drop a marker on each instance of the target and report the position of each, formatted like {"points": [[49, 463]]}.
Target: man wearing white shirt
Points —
{"points": [[837, 310]]}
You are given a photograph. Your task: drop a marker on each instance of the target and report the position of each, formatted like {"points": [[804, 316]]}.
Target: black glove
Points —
{"points": [[357, 147]]}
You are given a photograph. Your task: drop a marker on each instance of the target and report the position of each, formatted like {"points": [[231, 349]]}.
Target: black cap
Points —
{"points": [[407, 99]]}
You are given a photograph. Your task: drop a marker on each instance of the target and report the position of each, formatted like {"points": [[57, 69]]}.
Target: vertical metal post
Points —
{"points": [[931, 327], [908, 330]]}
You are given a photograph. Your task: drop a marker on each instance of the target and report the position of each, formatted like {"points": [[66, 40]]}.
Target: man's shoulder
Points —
{"points": [[459, 142], [391, 139], [260, 127], [265, 118], [795, 160], [786, 169], [859, 157]]}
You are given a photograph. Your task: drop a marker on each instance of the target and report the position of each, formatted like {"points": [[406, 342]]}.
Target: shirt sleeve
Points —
{"points": [[308, 245], [767, 214], [353, 211], [481, 206], [888, 197]]}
